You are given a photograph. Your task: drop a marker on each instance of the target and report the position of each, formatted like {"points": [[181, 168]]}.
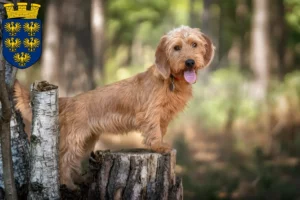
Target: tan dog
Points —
{"points": [[146, 102]]}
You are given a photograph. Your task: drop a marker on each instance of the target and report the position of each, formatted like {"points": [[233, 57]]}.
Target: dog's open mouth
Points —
{"points": [[190, 76]]}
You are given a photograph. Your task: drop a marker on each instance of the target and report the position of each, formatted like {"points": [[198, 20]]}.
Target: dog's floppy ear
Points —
{"points": [[209, 50], [161, 60]]}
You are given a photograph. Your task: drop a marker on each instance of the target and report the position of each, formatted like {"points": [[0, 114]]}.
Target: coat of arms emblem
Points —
{"points": [[21, 35]]}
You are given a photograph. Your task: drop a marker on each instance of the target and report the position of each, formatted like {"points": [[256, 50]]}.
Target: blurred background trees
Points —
{"points": [[239, 136]]}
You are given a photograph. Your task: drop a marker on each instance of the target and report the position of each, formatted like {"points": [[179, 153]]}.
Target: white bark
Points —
{"points": [[98, 37], [44, 173], [260, 47], [50, 58]]}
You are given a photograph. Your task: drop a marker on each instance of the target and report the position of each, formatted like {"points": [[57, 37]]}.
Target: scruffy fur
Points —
{"points": [[143, 102]]}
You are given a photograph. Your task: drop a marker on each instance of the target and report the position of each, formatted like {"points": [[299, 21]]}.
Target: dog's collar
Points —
{"points": [[172, 84], [175, 77]]}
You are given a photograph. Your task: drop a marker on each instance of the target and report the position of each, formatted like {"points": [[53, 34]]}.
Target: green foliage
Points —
{"points": [[288, 89], [292, 8], [212, 101], [293, 16], [125, 17], [292, 84]]}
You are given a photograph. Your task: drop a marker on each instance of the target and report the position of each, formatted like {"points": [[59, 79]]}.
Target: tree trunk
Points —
{"points": [[76, 55], [98, 38], [242, 11], [14, 154], [19, 140], [192, 16], [206, 17], [44, 174], [50, 57], [221, 23], [206, 28], [133, 174], [73, 45], [260, 47], [5, 116], [281, 34]]}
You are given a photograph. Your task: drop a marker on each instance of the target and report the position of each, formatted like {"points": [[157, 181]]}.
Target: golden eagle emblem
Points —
{"points": [[12, 28], [22, 58], [31, 43], [12, 44], [31, 28]]}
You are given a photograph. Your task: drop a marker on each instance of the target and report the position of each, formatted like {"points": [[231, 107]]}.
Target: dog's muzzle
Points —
{"points": [[189, 73]]}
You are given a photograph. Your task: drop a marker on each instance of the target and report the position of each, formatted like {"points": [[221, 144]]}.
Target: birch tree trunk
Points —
{"points": [[44, 174], [260, 47], [132, 174], [98, 38], [50, 57]]}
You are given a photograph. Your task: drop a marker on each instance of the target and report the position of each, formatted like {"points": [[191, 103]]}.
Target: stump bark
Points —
{"points": [[44, 144], [132, 175]]}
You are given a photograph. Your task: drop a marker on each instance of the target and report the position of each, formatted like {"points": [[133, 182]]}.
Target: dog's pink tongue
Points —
{"points": [[190, 76]]}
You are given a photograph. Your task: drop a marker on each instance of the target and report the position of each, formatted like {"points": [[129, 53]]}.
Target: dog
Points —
{"points": [[146, 102]]}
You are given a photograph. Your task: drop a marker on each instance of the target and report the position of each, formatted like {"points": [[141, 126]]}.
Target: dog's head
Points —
{"points": [[182, 52]]}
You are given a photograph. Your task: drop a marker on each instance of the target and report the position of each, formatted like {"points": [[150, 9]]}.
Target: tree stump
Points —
{"points": [[133, 175]]}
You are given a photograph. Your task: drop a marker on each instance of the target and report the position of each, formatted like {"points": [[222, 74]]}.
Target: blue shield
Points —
{"points": [[22, 41]]}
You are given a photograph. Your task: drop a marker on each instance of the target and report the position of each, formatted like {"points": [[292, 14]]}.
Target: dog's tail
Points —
{"points": [[22, 100]]}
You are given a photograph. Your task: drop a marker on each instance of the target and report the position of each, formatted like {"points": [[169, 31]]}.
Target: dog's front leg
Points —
{"points": [[154, 138], [163, 128]]}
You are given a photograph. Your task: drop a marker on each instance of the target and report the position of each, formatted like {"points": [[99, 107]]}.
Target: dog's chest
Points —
{"points": [[172, 105]]}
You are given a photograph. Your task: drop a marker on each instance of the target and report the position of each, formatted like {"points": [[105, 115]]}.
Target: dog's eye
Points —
{"points": [[194, 44], [177, 48]]}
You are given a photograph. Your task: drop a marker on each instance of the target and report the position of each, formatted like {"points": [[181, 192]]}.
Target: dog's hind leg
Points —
{"points": [[66, 171], [73, 151], [70, 167]]}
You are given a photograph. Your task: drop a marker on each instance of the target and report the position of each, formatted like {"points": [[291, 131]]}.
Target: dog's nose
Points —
{"points": [[189, 62]]}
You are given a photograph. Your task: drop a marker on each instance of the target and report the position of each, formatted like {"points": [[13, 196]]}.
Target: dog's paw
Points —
{"points": [[70, 185], [161, 148], [73, 187]]}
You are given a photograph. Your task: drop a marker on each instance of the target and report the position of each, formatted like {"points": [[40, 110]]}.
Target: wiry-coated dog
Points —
{"points": [[146, 102]]}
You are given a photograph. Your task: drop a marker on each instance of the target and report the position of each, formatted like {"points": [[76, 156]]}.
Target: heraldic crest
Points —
{"points": [[21, 35]]}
